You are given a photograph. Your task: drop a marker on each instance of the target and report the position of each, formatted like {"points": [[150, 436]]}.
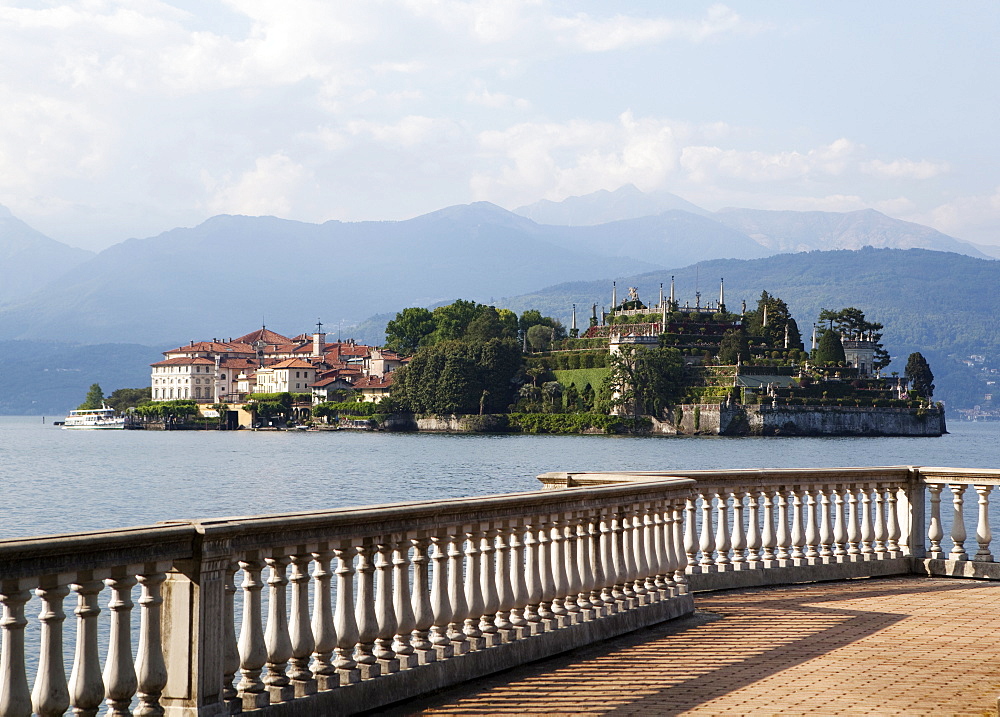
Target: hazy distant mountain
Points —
{"points": [[29, 259], [786, 231], [673, 238], [600, 207], [228, 274]]}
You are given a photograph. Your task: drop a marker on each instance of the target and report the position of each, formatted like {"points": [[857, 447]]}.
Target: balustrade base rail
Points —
{"points": [[408, 684], [799, 572], [938, 568]]}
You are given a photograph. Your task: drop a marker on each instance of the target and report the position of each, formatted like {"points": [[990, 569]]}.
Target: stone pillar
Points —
{"points": [[194, 597]]}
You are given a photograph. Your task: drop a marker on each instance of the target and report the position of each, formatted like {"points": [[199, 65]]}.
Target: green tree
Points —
{"points": [[644, 381], [452, 321], [830, 350], [95, 398], [777, 315], [734, 347], [851, 324], [122, 399], [487, 325], [918, 373], [540, 337], [408, 330]]}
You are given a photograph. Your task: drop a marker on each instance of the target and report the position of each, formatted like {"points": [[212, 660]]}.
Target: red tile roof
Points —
{"points": [[185, 361], [265, 335]]}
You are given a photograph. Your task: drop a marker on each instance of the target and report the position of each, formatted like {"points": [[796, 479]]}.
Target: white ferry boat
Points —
{"points": [[103, 417]]}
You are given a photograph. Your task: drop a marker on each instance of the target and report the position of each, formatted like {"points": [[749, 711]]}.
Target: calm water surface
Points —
{"points": [[57, 481]]}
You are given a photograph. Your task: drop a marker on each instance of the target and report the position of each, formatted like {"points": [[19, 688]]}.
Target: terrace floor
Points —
{"points": [[910, 646]]}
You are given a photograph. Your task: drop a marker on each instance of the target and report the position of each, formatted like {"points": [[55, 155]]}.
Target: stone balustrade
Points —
{"points": [[363, 607], [341, 611]]}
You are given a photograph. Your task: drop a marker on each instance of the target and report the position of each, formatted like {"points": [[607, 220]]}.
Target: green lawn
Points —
{"points": [[581, 377]]}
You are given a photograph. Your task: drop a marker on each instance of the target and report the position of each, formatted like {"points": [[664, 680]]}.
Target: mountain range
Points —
{"points": [[231, 274]]}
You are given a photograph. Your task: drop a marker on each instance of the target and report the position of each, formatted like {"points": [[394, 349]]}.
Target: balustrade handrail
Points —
{"points": [[176, 539], [741, 476]]}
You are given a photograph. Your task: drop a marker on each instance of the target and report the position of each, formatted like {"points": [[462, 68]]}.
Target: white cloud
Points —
{"points": [[710, 163], [270, 188], [904, 169], [623, 31], [975, 218], [556, 160], [496, 100]]}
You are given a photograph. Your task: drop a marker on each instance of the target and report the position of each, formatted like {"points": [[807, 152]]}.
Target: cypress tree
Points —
{"points": [[918, 373], [830, 350]]}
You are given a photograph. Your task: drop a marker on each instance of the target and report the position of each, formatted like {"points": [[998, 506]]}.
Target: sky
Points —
{"points": [[125, 119]]}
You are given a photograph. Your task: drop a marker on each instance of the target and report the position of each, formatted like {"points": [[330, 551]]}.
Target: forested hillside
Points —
{"points": [[945, 305]]}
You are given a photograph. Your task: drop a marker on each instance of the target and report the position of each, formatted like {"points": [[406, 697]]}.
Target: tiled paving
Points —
{"points": [[906, 646]]}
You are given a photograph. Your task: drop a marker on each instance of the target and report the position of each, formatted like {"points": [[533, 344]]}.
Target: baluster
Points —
{"points": [[894, 529], [867, 528], [456, 590], [881, 530], [489, 572], [958, 534], [324, 633], [253, 652], [739, 543], [935, 532], [853, 533], [753, 540], [665, 552], [769, 540], [839, 525], [230, 652], [385, 613], [639, 549], [406, 621], [691, 536], [532, 578], [517, 566], [473, 589], [119, 671], [983, 534], [15, 697], [150, 667], [798, 539], [619, 544], [300, 632], [570, 565], [556, 565], [607, 560], [680, 558], [825, 526], [345, 623], [591, 569], [662, 578], [276, 639], [86, 686], [783, 538], [647, 555], [50, 696], [504, 555], [707, 543], [722, 542], [812, 533], [583, 568], [364, 610], [546, 579], [633, 531], [423, 612]]}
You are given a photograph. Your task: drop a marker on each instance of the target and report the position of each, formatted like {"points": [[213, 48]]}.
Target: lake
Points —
{"points": [[58, 481]]}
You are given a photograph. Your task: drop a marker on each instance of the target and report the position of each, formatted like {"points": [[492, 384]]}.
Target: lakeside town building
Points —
{"points": [[263, 361]]}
